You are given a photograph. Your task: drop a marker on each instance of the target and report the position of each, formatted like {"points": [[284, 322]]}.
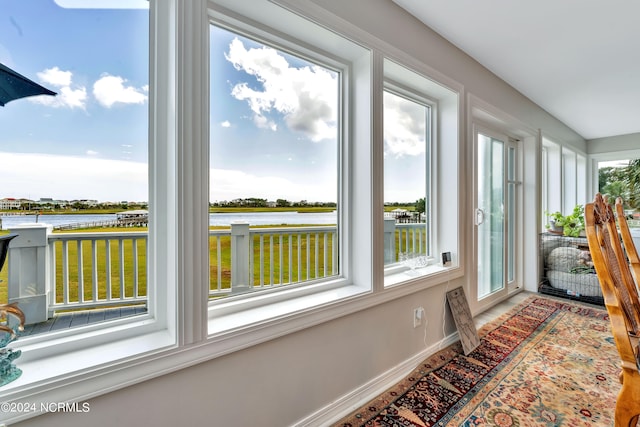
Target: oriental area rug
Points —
{"points": [[546, 362]]}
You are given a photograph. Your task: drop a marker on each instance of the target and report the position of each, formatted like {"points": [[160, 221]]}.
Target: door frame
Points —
{"points": [[479, 304]]}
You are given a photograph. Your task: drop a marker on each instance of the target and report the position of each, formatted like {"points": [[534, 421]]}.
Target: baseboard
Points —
{"points": [[351, 401]]}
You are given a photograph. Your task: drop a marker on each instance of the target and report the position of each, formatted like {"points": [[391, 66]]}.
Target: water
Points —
{"points": [[273, 218], [11, 221], [253, 218]]}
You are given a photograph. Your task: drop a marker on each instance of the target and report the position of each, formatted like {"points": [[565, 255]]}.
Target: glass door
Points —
{"points": [[490, 218], [496, 201]]}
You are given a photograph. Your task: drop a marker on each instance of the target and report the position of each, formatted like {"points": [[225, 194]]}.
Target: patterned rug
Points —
{"points": [[545, 363]]}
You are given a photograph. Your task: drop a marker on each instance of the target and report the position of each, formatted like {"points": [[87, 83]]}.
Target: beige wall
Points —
{"points": [[614, 144], [383, 18], [287, 379], [276, 383]]}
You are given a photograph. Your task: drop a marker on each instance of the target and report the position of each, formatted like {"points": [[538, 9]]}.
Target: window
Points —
{"points": [[569, 179], [564, 178], [407, 130], [99, 136], [275, 144], [77, 158], [621, 178], [420, 130], [551, 178], [285, 145], [201, 146]]}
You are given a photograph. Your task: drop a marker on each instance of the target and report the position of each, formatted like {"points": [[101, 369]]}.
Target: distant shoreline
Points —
{"points": [[305, 209], [301, 209], [215, 209]]}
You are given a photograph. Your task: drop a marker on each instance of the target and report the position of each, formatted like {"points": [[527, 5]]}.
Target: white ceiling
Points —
{"points": [[577, 59]]}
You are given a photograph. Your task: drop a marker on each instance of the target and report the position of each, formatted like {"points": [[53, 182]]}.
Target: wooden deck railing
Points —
{"points": [[86, 270], [97, 269], [270, 257]]}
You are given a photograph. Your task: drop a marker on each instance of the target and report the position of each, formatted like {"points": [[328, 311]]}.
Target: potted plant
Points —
{"points": [[555, 222], [571, 225]]}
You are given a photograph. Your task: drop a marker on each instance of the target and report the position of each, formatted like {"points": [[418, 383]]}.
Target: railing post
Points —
{"points": [[240, 252], [29, 270], [389, 240]]}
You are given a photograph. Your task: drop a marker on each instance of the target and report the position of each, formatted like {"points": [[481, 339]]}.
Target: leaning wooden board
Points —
{"points": [[464, 322]]}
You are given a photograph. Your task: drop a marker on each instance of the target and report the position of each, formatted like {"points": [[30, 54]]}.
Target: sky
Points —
{"points": [[274, 117]]}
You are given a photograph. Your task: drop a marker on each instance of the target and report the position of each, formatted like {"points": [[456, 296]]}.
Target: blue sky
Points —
{"points": [[273, 123], [89, 141], [273, 116], [281, 119]]}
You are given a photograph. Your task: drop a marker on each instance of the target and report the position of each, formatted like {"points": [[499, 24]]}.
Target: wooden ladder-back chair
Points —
{"points": [[627, 240], [621, 299]]}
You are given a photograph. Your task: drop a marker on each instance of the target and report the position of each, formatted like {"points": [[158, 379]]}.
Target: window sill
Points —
{"points": [[233, 328], [402, 276], [240, 328], [77, 375], [83, 373]]}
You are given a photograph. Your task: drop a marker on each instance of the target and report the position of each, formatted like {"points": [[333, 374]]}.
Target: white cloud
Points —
{"points": [[69, 178], [92, 153], [307, 97], [61, 81], [263, 123], [233, 184], [226, 124], [109, 90], [404, 126], [56, 77]]}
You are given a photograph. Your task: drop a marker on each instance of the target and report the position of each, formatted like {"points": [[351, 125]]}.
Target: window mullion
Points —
{"points": [[377, 177], [192, 102]]}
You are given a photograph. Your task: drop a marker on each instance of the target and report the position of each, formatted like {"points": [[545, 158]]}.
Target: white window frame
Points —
{"points": [[294, 48], [313, 43], [570, 180], [398, 89], [78, 363], [359, 220], [443, 103], [594, 160], [564, 182], [178, 331]]}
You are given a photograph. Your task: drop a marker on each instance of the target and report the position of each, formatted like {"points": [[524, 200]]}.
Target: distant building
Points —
{"points": [[9, 203], [49, 203], [85, 202]]}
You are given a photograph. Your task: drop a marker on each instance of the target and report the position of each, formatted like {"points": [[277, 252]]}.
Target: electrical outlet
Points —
{"points": [[418, 314]]}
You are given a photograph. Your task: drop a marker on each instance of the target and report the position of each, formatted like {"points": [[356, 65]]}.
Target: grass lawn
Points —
{"points": [[117, 285], [121, 286], [286, 258], [219, 258]]}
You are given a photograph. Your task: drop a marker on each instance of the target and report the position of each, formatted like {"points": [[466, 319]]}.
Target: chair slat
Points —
{"points": [[621, 299]]}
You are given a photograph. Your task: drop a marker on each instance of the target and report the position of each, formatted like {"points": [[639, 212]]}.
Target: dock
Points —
{"points": [[137, 218]]}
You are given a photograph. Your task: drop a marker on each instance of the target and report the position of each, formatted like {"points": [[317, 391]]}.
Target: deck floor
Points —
{"points": [[79, 318]]}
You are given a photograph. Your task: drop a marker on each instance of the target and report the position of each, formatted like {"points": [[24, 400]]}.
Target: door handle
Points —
{"points": [[479, 219]]}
